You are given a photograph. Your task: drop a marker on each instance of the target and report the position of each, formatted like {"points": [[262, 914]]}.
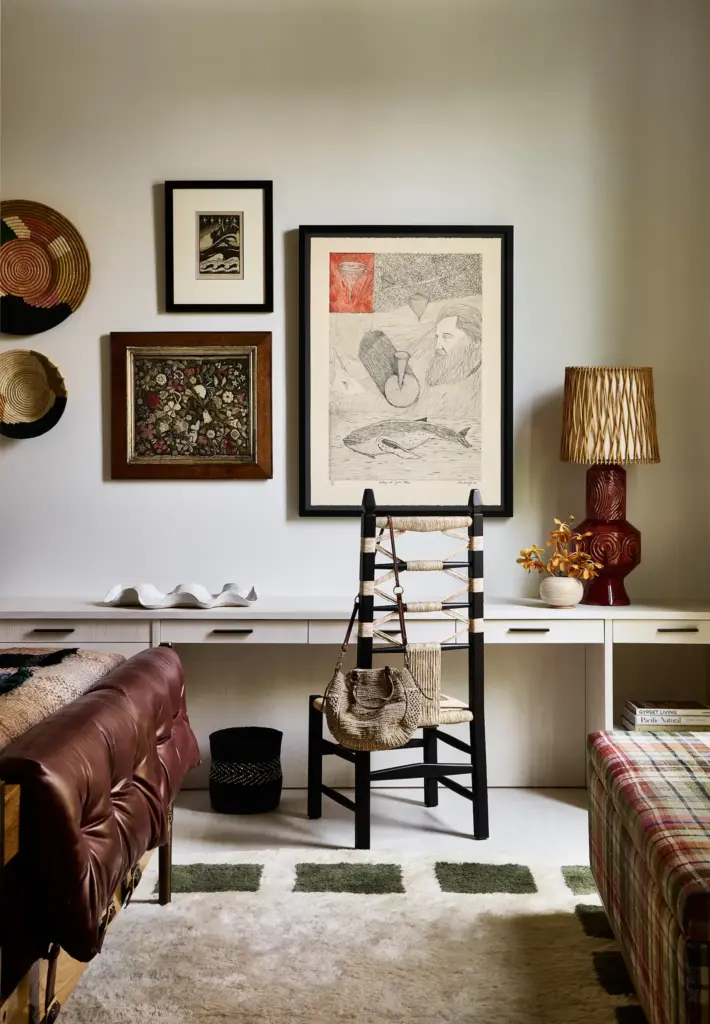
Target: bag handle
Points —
{"points": [[376, 703], [397, 589], [348, 633]]}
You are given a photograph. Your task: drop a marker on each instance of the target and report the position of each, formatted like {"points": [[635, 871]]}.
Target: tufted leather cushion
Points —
{"points": [[98, 778]]}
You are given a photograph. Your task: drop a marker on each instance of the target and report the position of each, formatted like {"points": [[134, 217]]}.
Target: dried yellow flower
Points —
{"points": [[567, 558]]}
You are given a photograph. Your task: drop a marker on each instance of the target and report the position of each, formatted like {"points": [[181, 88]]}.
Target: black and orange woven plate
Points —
{"points": [[33, 394], [44, 267]]}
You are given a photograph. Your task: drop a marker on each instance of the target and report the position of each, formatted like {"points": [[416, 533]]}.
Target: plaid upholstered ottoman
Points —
{"points": [[650, 855]]}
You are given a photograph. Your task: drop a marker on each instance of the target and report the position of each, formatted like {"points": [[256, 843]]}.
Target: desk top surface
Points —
{"points": [[334, 608]]}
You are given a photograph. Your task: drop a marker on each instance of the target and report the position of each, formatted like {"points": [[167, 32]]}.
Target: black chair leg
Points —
{"points": [[315, 759], [431, 786], [362, 800], [479, 779]]}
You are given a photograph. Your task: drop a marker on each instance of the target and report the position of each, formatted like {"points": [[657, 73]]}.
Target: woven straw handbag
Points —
{"points": [[373, 708]]}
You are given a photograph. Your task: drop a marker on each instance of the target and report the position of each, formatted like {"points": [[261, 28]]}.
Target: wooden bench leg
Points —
{"points": [[165, 866], [34, 1008]]}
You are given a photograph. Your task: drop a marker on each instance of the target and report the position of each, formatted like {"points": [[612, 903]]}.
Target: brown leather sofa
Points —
{"points": [[97, 780]]}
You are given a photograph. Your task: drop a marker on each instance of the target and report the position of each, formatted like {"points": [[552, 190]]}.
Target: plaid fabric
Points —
{"points": [[659, 784], [647, 836]]}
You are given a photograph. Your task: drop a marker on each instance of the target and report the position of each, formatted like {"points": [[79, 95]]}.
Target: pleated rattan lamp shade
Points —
{"points": [[609, 421], [609, 415]]}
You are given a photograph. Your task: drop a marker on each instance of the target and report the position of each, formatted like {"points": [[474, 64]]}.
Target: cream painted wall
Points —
{"points": [[581, 122]]}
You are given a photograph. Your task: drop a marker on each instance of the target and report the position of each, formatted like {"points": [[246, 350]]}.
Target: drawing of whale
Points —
{"points": [[399, 437]]}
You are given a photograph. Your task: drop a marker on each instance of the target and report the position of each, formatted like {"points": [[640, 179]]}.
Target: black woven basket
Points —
{"points": [[245, 775]]}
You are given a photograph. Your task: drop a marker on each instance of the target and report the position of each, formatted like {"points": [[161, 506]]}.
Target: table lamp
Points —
{"points": [[609, 419]]}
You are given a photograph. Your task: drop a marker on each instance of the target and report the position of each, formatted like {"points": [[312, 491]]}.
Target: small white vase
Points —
{"points": [[561, 591]]}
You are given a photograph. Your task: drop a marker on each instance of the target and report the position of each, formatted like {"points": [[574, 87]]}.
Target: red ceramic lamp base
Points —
{"points": [[614, 541], [607, 592]]}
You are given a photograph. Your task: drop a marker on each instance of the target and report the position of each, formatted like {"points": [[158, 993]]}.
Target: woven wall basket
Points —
{"points": [[33, 394], [44, 267]]}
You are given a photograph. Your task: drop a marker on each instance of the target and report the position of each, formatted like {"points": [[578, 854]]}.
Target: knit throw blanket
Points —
{"points": [[36, 682]]}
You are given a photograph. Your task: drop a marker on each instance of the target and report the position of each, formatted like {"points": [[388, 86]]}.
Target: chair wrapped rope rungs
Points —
{"points": [[377, 608]]}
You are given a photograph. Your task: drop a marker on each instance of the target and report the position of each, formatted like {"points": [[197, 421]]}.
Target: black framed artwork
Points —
{"points": [[219, 247], [406, 383]]}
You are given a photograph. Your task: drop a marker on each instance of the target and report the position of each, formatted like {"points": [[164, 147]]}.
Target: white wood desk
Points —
{"points": [[308, 620]]}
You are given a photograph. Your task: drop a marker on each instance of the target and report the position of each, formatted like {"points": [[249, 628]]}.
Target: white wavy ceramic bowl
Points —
{"points": [[185, 595]]}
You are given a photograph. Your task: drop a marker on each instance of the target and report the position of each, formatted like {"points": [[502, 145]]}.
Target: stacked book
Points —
{"points": [[665, 716]]}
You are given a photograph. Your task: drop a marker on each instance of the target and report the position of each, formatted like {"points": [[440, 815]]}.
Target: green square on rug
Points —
{"points": [[579, 879], [362, 878], [216, 877], [485, 878]]}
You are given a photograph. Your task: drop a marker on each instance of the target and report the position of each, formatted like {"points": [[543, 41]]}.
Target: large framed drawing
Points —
{"points": [[219, 247], [406, 368], [191, 405]]}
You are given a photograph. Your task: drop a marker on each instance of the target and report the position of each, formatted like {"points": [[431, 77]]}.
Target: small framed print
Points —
{"points": [[191, 405], [219, 247], [406, 368]]}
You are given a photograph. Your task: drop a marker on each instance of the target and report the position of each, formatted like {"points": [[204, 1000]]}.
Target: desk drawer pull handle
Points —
{"points": [[529, 629], [678, 629], [68, 629], [233, 632]]}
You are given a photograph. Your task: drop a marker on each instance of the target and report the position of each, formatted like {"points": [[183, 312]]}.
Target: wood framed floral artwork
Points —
{"points": [[406, 368], [191, 405], [219, 247]]}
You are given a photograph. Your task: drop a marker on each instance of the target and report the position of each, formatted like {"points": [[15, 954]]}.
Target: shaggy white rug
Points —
{"points": [[276, 956]]}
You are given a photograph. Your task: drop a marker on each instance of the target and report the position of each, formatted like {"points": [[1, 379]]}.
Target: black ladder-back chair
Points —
{"points": [[431, 770]]}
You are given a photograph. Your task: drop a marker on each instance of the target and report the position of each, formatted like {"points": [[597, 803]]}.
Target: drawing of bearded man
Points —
{"points": [[457, 352]]}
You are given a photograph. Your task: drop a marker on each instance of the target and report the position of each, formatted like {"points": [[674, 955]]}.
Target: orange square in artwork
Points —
{"points": [[352, 282]]}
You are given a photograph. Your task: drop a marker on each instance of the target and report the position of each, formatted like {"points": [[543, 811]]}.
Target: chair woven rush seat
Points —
{"points": [[650, 856], [451, 710]]}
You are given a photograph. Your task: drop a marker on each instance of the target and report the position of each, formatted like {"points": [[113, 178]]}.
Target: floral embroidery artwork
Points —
{"points": [[193, 407]]}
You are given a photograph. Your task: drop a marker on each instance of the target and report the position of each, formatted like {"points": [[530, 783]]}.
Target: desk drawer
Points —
{"points": [[419, 631], [222, 631], [661, 631], [544, 631], [45, 632], [329, 631]]}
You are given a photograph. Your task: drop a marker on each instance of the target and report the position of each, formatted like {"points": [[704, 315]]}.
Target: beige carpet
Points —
{"points": [[419, 955]]}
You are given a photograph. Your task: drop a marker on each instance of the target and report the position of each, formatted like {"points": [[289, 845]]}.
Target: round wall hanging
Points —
{"points": [[33, 394], [44, 267]]}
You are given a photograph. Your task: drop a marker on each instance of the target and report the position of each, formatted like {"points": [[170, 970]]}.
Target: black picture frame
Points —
{"points": [[504, 508], [265, 306]]}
